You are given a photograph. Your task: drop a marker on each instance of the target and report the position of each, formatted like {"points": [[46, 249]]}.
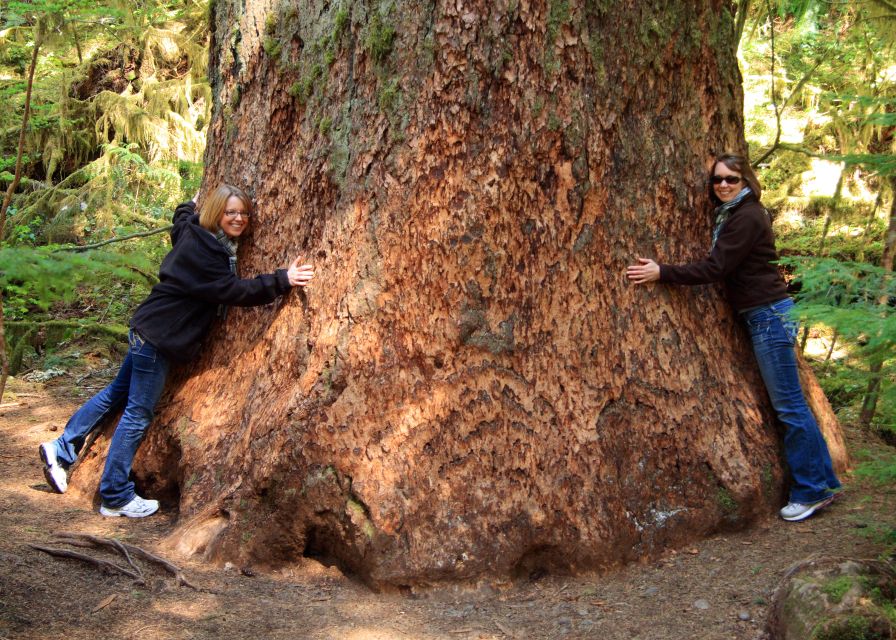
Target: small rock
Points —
{"points": [[54, 428], [228, 566], [743, 616], [701, 604], [248, 572], [651, 591], [564, 622]]}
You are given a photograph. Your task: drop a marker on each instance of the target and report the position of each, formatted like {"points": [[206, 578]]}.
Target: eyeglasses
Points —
{"points": [[234, 214], [726, 179]]}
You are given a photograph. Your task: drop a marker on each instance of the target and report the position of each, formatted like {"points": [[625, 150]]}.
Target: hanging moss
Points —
{"points": [[380, 37]]}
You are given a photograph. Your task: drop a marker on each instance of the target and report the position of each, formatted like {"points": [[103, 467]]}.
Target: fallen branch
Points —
{"points": [[124, 548], [96, 245], [66, 553]]}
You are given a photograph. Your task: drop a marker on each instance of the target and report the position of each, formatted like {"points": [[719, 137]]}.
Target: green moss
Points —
{"points": [[270, 24], [558, 15], [726, 501], [768, 481], [325, 125], [340, 21], [360, 513], [554, 122], [380, 37], [272, 47], [303, 89], [850, 628], [389, 95], [835, 589], [596, 49]]}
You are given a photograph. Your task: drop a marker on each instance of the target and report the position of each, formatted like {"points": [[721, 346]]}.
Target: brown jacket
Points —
{"points": [[742, 258]]}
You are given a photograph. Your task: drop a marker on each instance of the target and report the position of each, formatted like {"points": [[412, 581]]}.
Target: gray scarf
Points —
{"points": [[230, 245], [723, 211]]}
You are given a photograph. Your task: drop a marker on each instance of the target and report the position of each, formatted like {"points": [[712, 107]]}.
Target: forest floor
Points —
{"points": [[717, 588]]}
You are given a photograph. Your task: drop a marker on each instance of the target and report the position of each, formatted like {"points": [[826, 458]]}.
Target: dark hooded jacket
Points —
{"points": [[194, 279]]}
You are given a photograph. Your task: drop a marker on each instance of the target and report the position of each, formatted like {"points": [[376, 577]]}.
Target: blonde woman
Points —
{"points": [[197, 281]]}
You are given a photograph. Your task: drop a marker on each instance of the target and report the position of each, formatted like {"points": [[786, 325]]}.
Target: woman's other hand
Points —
{"points": [[645, 271], [300, 274]]}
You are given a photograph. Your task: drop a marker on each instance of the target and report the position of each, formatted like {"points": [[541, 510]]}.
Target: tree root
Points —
{"points": [[67, 553], [84, 539], [127, 551]]}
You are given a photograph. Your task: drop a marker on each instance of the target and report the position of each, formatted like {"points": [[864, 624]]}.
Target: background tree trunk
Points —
{"points": [[470, 387]]}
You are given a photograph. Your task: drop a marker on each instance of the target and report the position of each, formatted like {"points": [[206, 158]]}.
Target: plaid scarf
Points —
{"points": [[723, 211], [230, 245]]}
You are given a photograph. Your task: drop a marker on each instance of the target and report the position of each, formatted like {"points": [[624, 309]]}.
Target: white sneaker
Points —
{"points": [[796, 511], [136, 508], [56, 476]]}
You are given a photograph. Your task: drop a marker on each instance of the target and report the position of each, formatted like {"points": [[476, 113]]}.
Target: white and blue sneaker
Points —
{"points": [[796, 511], [56, 476], [136, 508]]}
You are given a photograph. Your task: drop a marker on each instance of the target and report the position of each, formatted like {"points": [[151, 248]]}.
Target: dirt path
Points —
{"points": [[719, 588]]}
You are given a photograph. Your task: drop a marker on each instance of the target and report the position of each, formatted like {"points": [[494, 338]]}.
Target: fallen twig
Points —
{"points": [[66, 553]]}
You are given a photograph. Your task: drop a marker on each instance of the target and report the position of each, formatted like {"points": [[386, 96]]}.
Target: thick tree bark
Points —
{"points": [[470, 387]]}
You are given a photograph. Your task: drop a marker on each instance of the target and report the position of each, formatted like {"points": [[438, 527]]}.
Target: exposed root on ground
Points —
{"points": [[128, 551]]}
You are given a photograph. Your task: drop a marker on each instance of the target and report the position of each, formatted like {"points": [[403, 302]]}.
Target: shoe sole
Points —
{"points": [[49, 477], [117, 514], [808, 512]]}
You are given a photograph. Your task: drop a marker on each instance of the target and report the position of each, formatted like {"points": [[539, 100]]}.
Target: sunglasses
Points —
{"points": [[726, 179]]}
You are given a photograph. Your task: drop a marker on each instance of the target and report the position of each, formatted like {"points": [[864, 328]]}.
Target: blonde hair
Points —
{"points": [[213, 206]]}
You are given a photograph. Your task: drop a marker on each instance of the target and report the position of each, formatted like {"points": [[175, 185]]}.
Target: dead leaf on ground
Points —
{"points": [[105, 603]]}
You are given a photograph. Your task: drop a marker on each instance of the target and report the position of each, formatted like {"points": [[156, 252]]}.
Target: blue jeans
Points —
{"points": [[773, 332], [137, 388]]}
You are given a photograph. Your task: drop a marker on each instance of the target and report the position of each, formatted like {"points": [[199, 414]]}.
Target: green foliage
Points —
{"points": [[120, 108], [855, 300], [877, 466], [50, 275]]}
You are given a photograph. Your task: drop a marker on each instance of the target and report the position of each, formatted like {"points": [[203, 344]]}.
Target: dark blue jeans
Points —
{"points": [[137, 388], [773, 331]]}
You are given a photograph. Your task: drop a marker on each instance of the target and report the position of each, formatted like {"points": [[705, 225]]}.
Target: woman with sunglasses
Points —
{"points": [[197, 281], [742, 256]]}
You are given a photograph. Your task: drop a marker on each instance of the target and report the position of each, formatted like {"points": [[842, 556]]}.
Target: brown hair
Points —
{"points": [[212, 209], [734, 163]]}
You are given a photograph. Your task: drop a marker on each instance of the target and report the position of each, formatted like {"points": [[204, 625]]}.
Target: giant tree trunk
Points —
{"points": [[470, 387]]}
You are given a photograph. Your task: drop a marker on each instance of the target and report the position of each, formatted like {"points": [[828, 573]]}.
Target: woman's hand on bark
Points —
{"points": [[300, 274], [645, 271]]}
